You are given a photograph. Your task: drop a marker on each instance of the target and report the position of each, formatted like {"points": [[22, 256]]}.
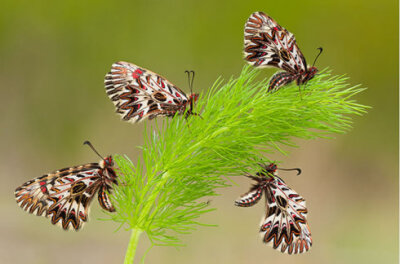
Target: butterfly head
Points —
{"points": [[309, 74], [106, 162], [271, 169], [193, 97], [312, 71], [268, 170]]}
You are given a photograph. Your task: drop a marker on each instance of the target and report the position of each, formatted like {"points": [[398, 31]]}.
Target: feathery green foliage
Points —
{"points": [[183, 159]]}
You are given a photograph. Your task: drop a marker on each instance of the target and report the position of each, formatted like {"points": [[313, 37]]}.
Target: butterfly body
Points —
{"points": [[284, 226], [283, 78], [138, 93], [267, 44], [64, 195]]}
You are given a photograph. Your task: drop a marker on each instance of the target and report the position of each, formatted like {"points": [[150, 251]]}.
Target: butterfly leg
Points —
{"points": [[300, 92], [191, 113]]}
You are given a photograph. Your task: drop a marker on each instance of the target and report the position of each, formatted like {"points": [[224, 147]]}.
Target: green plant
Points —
{"points": [[183, 159]]}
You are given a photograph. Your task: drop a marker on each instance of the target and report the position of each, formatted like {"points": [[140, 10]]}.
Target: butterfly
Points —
{"points": [[267, 44], [64, 196], [138, 93], [284, 226]]}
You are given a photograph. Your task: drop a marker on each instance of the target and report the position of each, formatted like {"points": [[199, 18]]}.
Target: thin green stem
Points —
{"points": [[132, 246]]}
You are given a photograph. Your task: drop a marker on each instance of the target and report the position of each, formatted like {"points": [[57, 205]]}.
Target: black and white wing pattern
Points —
{"points": [[138, 93], [267, 44], [64, 196], [284, 226]]}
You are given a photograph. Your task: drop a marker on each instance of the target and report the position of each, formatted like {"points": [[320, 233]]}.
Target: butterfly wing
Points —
{"points": [[267, 44], [64, 196], [138, 93], [285, 226], [251, 197]]}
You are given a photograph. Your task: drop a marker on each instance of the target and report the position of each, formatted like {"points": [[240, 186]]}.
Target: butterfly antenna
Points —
{"points": [[297, 169], [191, 84], [190, 81], [87, 142], [320, 51], [188, 74], [191, 91]]}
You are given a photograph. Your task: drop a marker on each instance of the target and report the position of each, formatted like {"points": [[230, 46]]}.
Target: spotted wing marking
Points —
{"points": [[65, 195], [138, 93], [266, 44], [285, 226]]}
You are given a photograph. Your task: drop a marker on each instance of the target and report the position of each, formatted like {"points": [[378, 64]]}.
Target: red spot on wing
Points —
{"points": [[43, 189], [177, 94], [137, 73], [170, 102]]}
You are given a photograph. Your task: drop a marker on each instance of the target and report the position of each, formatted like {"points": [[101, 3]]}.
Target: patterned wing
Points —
{"points": [[267, 44], [64, 196], [250, 198], [285, 226], [138, 93]]}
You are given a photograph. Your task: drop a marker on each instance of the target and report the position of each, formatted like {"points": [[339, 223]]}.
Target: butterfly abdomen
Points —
{"points": [[280, 79], [250, 198]]}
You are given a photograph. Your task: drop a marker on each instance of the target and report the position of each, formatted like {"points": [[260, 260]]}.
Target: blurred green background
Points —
{"points": [[54, 55]]}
